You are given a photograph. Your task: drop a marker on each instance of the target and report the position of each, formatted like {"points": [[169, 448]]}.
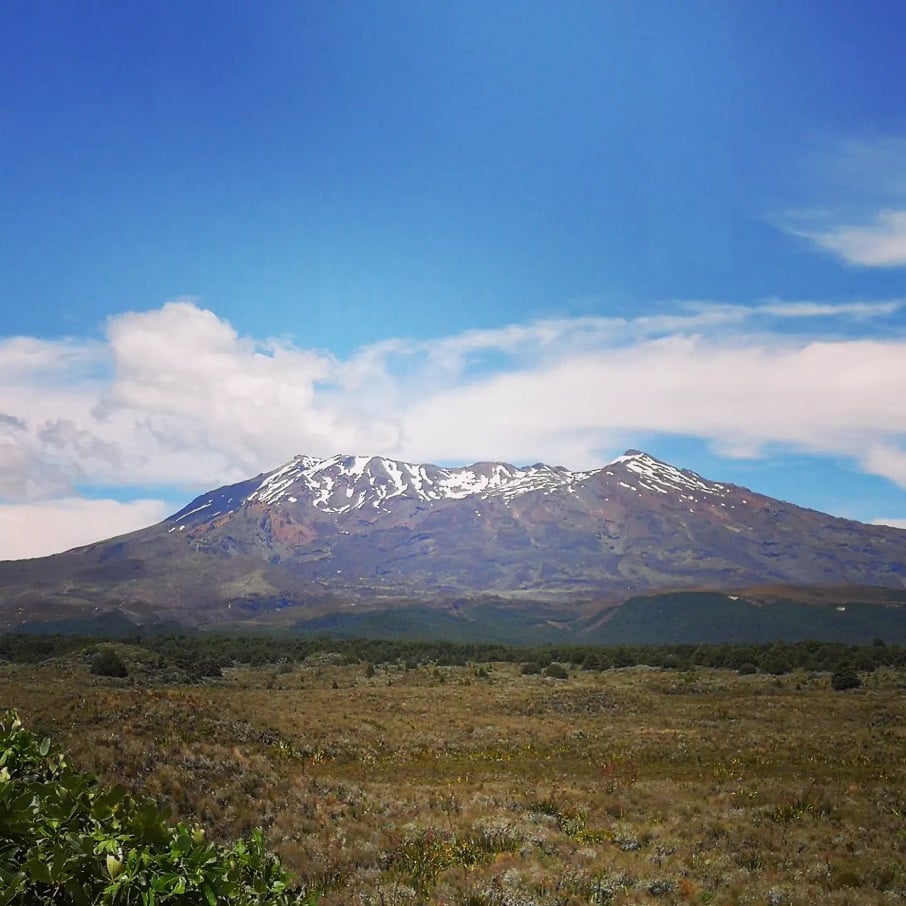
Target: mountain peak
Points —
{"points": [[654, 475], [633, 454], [344, 482]]}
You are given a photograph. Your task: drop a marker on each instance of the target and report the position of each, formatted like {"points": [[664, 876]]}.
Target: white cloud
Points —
{"points": [[861, 212], [38, 529], [41, 360], [857, 310], [893, 523], [873, 167], [886, 459], [175, 397], [879, 243], [839, 397]]}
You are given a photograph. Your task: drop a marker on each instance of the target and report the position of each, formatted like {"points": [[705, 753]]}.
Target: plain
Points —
{"points": [[490, 784]]}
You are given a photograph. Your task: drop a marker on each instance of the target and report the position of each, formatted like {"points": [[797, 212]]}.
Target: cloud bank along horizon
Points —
{"points": [[100, 436]]}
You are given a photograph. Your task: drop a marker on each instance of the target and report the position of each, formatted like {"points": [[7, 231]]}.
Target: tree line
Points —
{"points": [[201, 656]]}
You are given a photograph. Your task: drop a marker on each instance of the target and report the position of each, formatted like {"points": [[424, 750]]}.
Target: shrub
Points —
{"points": [[530, 668], [675, 662], [108, 663], [845, 678], [777, 664], [556, 671], [67, 840], [422, 857]]}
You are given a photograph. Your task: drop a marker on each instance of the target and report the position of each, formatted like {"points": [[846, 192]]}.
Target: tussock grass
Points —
{"points": [[488, 787]]}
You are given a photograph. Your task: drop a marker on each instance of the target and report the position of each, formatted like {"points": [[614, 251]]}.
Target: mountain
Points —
{"points": [[321, 542]]}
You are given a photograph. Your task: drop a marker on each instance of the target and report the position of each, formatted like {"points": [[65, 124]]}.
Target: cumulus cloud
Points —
{"points": [[176, 398], [38, 529], [186, 385]]}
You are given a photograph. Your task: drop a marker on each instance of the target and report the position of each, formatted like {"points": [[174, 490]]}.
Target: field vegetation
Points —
{"points": [[454, 775]]}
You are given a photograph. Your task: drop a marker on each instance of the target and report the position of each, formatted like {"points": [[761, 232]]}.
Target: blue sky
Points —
{"points": [[232, 232]]}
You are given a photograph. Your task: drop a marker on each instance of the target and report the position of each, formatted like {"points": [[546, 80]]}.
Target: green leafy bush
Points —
{"points": [[64, 839]]}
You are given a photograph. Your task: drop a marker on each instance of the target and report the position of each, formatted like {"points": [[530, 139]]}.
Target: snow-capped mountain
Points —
{"points": [[341, 484], [315, 536], [369, 525]]}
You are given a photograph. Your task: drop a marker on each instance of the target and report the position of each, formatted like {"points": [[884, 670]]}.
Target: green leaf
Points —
{"points": [[9, 895], [58, 864], [78, 893], [38, 869]]}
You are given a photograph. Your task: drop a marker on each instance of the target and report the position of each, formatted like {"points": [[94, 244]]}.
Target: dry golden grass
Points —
{"points": [[443, 786]]}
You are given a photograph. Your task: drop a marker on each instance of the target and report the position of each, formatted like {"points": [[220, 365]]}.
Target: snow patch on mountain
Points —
{"points": [[661, 477], [342, 483]]}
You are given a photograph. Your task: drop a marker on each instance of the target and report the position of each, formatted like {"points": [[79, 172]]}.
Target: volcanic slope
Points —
{"points": [[322, 534]]}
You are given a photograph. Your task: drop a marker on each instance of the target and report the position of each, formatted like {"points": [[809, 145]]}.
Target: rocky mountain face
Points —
{"points": [[315, 536], [636, 524]]}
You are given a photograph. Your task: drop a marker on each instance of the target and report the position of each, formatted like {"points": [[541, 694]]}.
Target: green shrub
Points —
{"points": [[675, 662], [66, 840], [556, 671], [845, 678], [107, 662], [777, 664]]}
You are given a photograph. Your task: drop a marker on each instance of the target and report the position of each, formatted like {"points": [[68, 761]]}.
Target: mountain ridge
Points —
{"points": [[319, 536], [430, 482]]}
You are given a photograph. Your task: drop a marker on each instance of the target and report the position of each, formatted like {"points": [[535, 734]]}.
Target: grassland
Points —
{"points": [[480, 786]]}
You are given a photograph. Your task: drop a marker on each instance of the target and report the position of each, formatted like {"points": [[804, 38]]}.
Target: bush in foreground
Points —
{"points": [[64, 839]]}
